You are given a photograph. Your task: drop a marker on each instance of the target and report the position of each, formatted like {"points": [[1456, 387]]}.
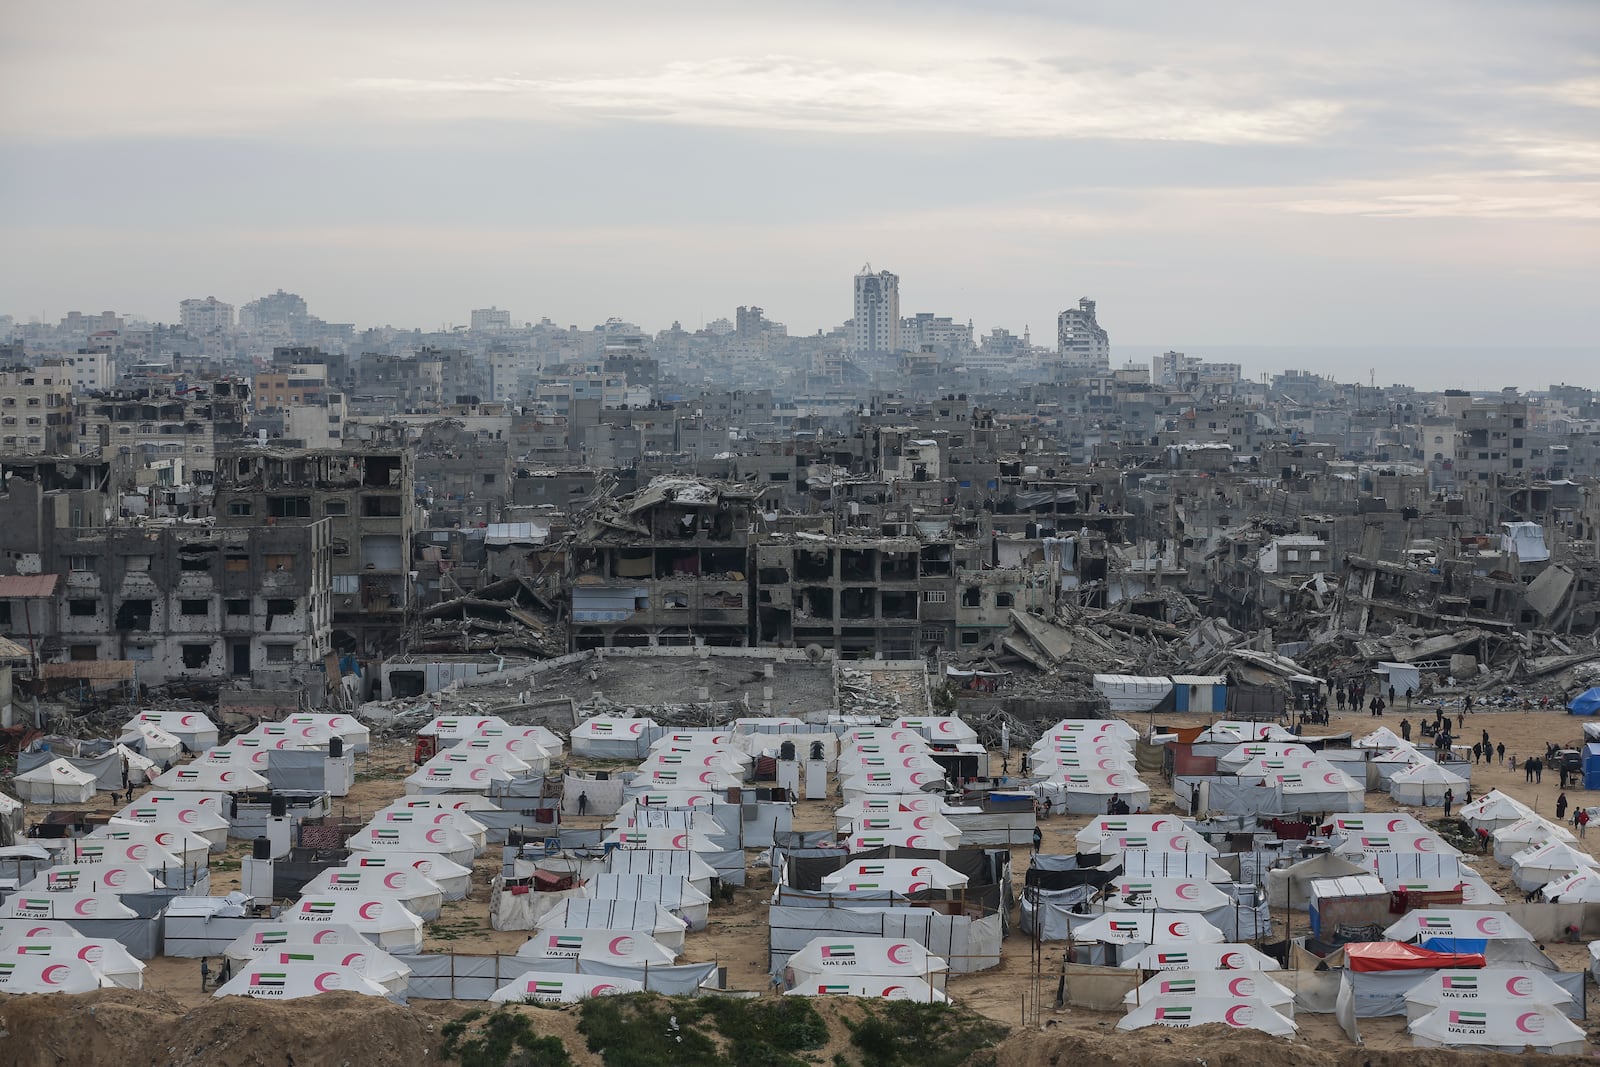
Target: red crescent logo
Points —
{"points": [[1242, 987], [326, 980], [325, 937], [915, 887], [921, 822], [397, 880], [1530, 1022], [1104, 764], [1238, 1015], [1228, 965], [709, 777], [636, 728], [114, 877], [1179, 843], [86, 906], [603, 989], [680, 840], [225, 776], [163, 839], [1332, 777], [915, 841], [621, 946], [137, 852], [371, 909], [1178, 929], [186, 816], [890, 991], [48, 974], [1118, 780], [1396, 824], [948, 727], [1156, 825], [434, 836], [91, 953], [1489, 925], [1187, 891], [186, 720], [909, 761], [478, 774], [1520, 986], [1425, 844], [354, 959], [893, 954], [335, 720]]}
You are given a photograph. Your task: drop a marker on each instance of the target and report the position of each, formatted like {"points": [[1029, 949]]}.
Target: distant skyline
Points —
{"points": [[1215, 176]]}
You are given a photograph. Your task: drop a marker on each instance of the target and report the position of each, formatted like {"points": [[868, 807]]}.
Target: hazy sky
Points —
{"points": [[1214, 174]]}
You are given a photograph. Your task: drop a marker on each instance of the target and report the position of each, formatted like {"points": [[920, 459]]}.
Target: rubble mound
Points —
{"points": [[136, 1029]]}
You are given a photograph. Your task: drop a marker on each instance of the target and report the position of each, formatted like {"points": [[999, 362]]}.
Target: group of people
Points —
{"points": [[224, 973]]}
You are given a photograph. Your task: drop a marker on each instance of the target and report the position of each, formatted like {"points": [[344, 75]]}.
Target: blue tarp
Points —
{"points": [[1586, 703], [1461, 945]]}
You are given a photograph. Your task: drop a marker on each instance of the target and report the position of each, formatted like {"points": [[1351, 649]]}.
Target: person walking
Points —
{"points": [[1538, 771], [1500, 750], [1583, 820], [1486, 739], [1561, 807], [1409, 691], [1391, 694], [205, 973], [1038, 838], [1477, 752], [1461, 720], [583, 803], [1405, 729], [1449, 799], [1339, 699]]}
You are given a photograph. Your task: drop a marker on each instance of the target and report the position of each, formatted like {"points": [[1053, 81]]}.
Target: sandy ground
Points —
{"points": [[1012, 993]]}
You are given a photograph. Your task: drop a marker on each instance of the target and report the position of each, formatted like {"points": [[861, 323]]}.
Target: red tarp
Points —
{"points": [[1396, 956]]}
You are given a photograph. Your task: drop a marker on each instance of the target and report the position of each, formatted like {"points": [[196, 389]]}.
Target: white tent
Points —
{"points": [[281, 735], [56, 782], [49, 974], [1188, 956], [1525, 833], [608, 946], [892, 875], [453, 728], [1129, 692], [941, 729], [1164, 894], [516, 754], [1453, 923], [1250, 1013], [1090, 792], [110, 960], [1426, 785], [1396, 761], [1184, 840], [864, 783], [1054, 764], [417, 893], [455, 778], [548, 987], [196, 731], [644, 916], [658, 837], [520, 737], [1378, 844], [662, 861], [688, 778], [704, 759], [1582, 887], [453, 879], [1242, 754], [1471, 989], [141, 768], [824, 959], [1104, 828], [160, 747], [1382, 738], [207, 823], [155, 847], [264, 938], [1494, 810], [359, 956], [920, 822], [275, 980], [889, 988], [1139, 864], [95, 878], [605, 737], [1224, 985], [461, 822], [246, 752], [1542, 864], [1146, 928], [1500, 1027], [347, 728], [14, 933], [902, 837], [450, 843], [212, 778], [382, 920], [1347, 824], [70, 906], [1233, 731]]}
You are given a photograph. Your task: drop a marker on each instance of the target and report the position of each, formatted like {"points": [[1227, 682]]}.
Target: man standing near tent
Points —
{"points": [[583, 803], [1449, 799], [205, 973], [1038, 838]]}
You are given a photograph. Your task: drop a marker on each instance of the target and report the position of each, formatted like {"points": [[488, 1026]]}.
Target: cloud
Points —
{"points": [[1475, 196], [991, 98]]}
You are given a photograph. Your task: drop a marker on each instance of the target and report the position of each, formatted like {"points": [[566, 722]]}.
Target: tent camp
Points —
{"points": [[461, 822], [1425, 785], [272, 979], [605, 737], [70, 906], [455, 777], [207, 823], [113, 878], [1542, 864], [56, 782], [1454, 925], [1526, 833], [212, 778], [1582, 887], [1145, 928], [110, 960], [453, 880], [196, 731], [673, 893], [41, 973], [1471, 989], [1104, 828], [414, 837], [264, 938], [895, 875], [1188, 956], [550, 987], [374, 964], [158, 746], [1226, 985], [1249, 1013], [645, 916], [347, 728], [1498, 1026], [1090, 792], [383, 921], [859, 985], [551, 944], [410, 887], [823, 959], [941, 730], [163, 846]]}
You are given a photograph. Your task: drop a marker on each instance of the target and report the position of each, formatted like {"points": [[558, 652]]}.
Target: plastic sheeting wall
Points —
{"points": [[605, 797], [193, 936], [453, 976], [966, 944]]}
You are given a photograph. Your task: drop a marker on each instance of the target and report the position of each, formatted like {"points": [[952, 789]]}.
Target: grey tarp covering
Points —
{"points": [[453, 976], [193, 936], [22, 863], [605, 795], [297, 768], [516, 814], [1232, 795], [106, 768], [967, 944], [1290, 887], [1379, 994], [141, 937]]}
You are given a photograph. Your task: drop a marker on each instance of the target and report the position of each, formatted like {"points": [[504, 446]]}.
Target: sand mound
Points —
{"points": [[135, 1029], [1220, 1046]]}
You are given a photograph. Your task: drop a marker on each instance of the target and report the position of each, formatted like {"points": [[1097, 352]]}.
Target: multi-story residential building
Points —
{"points": [[1492, 441], [200, 317], [1081, 342], [367, 496], [875, 327], [35, 411], [491, 318], [154, 429]]}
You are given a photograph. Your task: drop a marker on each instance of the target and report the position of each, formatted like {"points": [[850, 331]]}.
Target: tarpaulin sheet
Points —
{"points": [[1459, 945], [1371, 956]]}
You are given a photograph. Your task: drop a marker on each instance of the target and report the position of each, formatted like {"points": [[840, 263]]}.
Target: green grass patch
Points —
{"points": [[638, 1031], [904, 1034], [503, 1039]]}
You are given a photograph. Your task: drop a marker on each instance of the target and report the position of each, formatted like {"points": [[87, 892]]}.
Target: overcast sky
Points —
{"points": [[1214, 174]]}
